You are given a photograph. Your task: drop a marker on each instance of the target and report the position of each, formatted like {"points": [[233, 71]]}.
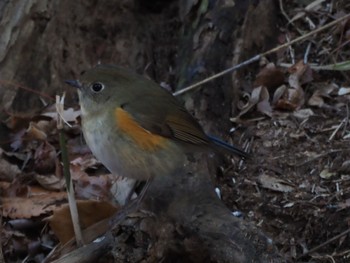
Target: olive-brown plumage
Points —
{"points": [[134, 127]]}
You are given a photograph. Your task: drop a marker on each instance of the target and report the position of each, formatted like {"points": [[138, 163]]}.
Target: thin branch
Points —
{"points": [[325, 243], [247, 62], [65, 160], [257, 57]]}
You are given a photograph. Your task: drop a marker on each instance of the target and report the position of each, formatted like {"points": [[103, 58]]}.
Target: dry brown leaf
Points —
{"points": [[303, 114], [275, 184], [45, 158], [290, 101], [317, 98], [278, 94], [259, 94], [51, 182], [13, 189], [35, 204], [270, 77], [300, 73], [34, 133], [8, 171], [293, 98], [86, 161], [17, 123], [91, 187], [264, 107], [89, 211]]}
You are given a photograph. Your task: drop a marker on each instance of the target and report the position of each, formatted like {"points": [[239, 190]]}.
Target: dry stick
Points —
{"points": [[257, 57], [316, 157], [70, 191], [346, 120], [287, 17], [325, 243], [337, 129]]}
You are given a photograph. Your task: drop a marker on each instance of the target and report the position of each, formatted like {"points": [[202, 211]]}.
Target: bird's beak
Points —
{"points": [[74, 83]]}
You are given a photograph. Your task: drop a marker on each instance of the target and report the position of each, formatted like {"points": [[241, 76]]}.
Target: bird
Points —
{"points": [[136, 128]]}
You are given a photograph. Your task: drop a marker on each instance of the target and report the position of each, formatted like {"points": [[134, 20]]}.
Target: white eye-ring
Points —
{"points": [[97, 87]]}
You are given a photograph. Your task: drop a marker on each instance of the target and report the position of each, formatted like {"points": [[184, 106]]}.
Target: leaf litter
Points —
{"points": [[299, 180]]}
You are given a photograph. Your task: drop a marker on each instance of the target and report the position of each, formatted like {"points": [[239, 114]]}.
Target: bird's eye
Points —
{"points": [[97, 87]]}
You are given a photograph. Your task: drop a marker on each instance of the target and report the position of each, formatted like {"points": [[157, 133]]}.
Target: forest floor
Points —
{"points": [[297, 185]]}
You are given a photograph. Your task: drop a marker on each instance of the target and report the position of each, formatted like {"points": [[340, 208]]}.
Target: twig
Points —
{"points": [[287, 17], [257, 57], [306, 55], [341, 66], [316, 157], [226, 71], [291, 50], [65, 160], [325, 243], [284, 12], [337, 129], [346, 124]]}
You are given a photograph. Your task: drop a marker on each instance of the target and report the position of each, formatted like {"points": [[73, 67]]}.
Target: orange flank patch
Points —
{"points": [[143, 138]]}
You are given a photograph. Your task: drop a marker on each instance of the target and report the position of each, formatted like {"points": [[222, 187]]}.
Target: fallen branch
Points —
{"points": [[257, 57]]}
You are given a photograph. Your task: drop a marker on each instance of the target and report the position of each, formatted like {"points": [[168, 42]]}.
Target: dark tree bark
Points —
{"points": [[194, 219]]}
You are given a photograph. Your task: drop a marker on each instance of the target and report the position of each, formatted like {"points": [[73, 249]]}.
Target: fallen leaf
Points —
{"points": [[264, 107], [34, 133], [8, 171], [51, 182], [45, 158], [326, 174], [317, 98], [35, 204], [293, 98], [85, 162], [259, 94], [303, 114], [343, 91], [275, 184], [89, 211], [270, 77], [91, 187]]}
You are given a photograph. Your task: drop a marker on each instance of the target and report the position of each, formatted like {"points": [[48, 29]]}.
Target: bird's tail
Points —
{"points": [[230, 148]]}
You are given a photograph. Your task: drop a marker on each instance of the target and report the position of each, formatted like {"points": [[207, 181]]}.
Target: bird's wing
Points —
{"points": [[166, 117]]}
